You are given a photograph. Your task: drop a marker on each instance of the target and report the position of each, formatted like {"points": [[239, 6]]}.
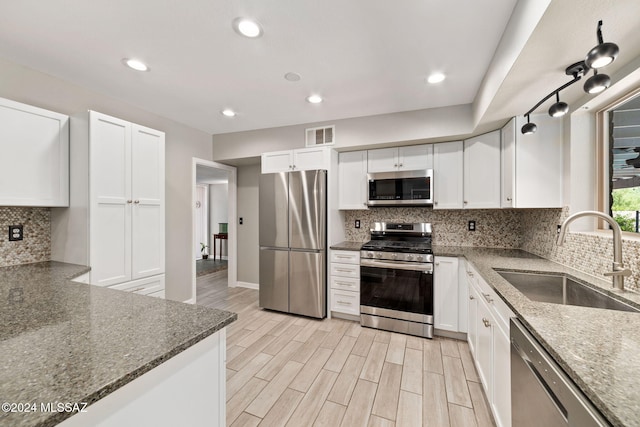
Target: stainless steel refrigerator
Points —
{"points": [[293, 255]]}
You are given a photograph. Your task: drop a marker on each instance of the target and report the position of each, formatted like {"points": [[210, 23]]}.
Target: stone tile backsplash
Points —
{"points": [[590, 253], [36, 245], [494, 228], [533, 230]]}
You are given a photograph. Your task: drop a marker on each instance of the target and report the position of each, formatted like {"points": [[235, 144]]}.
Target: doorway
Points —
{"points": [[214, 226]]}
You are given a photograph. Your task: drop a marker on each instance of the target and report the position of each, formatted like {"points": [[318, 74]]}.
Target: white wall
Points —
{"points": [[182, 143], [248, 242], [218, 212], [418, 126]]}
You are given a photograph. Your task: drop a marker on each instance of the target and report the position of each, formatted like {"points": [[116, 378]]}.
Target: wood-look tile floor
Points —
{"points": [[285, 370]]}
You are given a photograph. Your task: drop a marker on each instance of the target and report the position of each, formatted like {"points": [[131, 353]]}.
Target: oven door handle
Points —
{"points": [[426, 268]]}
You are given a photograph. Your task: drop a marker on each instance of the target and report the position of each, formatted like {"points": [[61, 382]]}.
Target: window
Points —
{"points": [[624, 163]]}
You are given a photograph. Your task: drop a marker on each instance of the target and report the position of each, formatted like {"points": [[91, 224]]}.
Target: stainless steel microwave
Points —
{"points": [[406, 188]]}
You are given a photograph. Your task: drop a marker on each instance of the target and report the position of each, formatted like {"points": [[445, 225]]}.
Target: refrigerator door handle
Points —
{"points": [[311, 251], [273, 248]]}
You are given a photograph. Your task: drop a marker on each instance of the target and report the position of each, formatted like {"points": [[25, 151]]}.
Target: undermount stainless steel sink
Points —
{"points": [[559, 289]]}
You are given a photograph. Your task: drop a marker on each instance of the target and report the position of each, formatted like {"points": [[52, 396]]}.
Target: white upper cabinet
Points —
{"points": [[482, 171], [35, 150], [296, 160], [277, 161], [352, 180], [448, 174], [532, 164], [412, 157]]}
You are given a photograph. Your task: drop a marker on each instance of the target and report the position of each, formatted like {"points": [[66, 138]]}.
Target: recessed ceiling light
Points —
{"points": [[436, 78], [228, 112], [135, 64], [314, 99], [292, 77], [247, 27]]}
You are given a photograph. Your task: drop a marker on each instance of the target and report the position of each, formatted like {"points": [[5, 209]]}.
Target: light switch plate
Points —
{"points": [[472, 226], [357, 225]]}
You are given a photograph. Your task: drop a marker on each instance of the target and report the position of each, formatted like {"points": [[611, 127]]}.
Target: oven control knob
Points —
{"points": [[409, 257], [394, 256], [378, 255], [420, 258], [369, 254]]}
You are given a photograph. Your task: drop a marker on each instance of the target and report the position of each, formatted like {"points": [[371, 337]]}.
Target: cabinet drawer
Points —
{"points": [[345, 283], [345, 270], [145, 286], [345, 302], [345, 257], [498, 307]]}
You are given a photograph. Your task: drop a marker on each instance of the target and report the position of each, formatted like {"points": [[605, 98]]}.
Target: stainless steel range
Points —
{"points": [[396, 279]]}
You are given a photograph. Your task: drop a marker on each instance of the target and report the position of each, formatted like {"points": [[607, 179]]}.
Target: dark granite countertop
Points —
{"points": [[347, 246], [62, 341], [599, 349]]}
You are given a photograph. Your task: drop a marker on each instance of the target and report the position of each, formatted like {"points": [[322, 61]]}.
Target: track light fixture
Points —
{"points": [[529, 127], [560, 108], [597, 83], [601, 55]]}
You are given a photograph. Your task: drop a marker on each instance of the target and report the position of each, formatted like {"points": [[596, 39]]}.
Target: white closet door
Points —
{"points": [[148, 202], [110, 206]]}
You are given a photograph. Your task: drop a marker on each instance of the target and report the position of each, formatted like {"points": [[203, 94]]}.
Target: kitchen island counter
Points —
{"points": [[74, 343]]}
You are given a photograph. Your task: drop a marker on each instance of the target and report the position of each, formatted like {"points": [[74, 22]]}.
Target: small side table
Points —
{"points": [[221, 236]]}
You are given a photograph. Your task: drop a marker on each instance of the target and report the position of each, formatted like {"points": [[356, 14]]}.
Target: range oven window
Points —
{"points": [[400, 189], [395, 289]]}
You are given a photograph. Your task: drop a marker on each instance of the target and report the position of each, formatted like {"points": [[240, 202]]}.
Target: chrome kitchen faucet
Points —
{"points": [[619, 272]]}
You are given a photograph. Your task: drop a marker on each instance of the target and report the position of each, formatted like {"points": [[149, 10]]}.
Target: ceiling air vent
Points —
{"points": [[321, 136]]}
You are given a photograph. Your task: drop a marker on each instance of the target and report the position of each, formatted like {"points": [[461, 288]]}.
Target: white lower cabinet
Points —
{"points": [[489, 342], [344, 279], [445, 294]]}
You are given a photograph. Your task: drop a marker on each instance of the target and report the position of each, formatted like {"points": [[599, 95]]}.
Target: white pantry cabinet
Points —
{"points": [[35, 150], [407, 158], [352, 180], [296, 160], [482, 171], [532, 164], [116, 220], [448, 172]]}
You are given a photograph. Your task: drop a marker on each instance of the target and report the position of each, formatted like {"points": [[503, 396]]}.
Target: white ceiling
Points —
{"points": [[364, 56]]}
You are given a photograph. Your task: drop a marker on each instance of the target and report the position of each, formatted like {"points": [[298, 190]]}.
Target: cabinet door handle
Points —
{"points": [[343, 302], [435, 203], [471, 297], [508, 199], [465, 202], [344, 256], [136, 201], [400, 165], [488, 297], [351, 285], [437, 263], [129, 201], [344, 270], [486, 322]]}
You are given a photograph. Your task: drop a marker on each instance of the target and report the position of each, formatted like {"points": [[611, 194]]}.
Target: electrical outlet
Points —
{"points": [[240, 221], [472, 226], [559, 227], [357, 225], [15, 233]]}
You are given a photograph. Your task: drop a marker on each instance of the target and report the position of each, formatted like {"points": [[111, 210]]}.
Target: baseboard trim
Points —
{"points": [[190, 301], [247, 285]]}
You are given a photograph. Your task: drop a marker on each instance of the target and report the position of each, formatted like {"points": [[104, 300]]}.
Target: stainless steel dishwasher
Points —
{"points": [[541, 393]]}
